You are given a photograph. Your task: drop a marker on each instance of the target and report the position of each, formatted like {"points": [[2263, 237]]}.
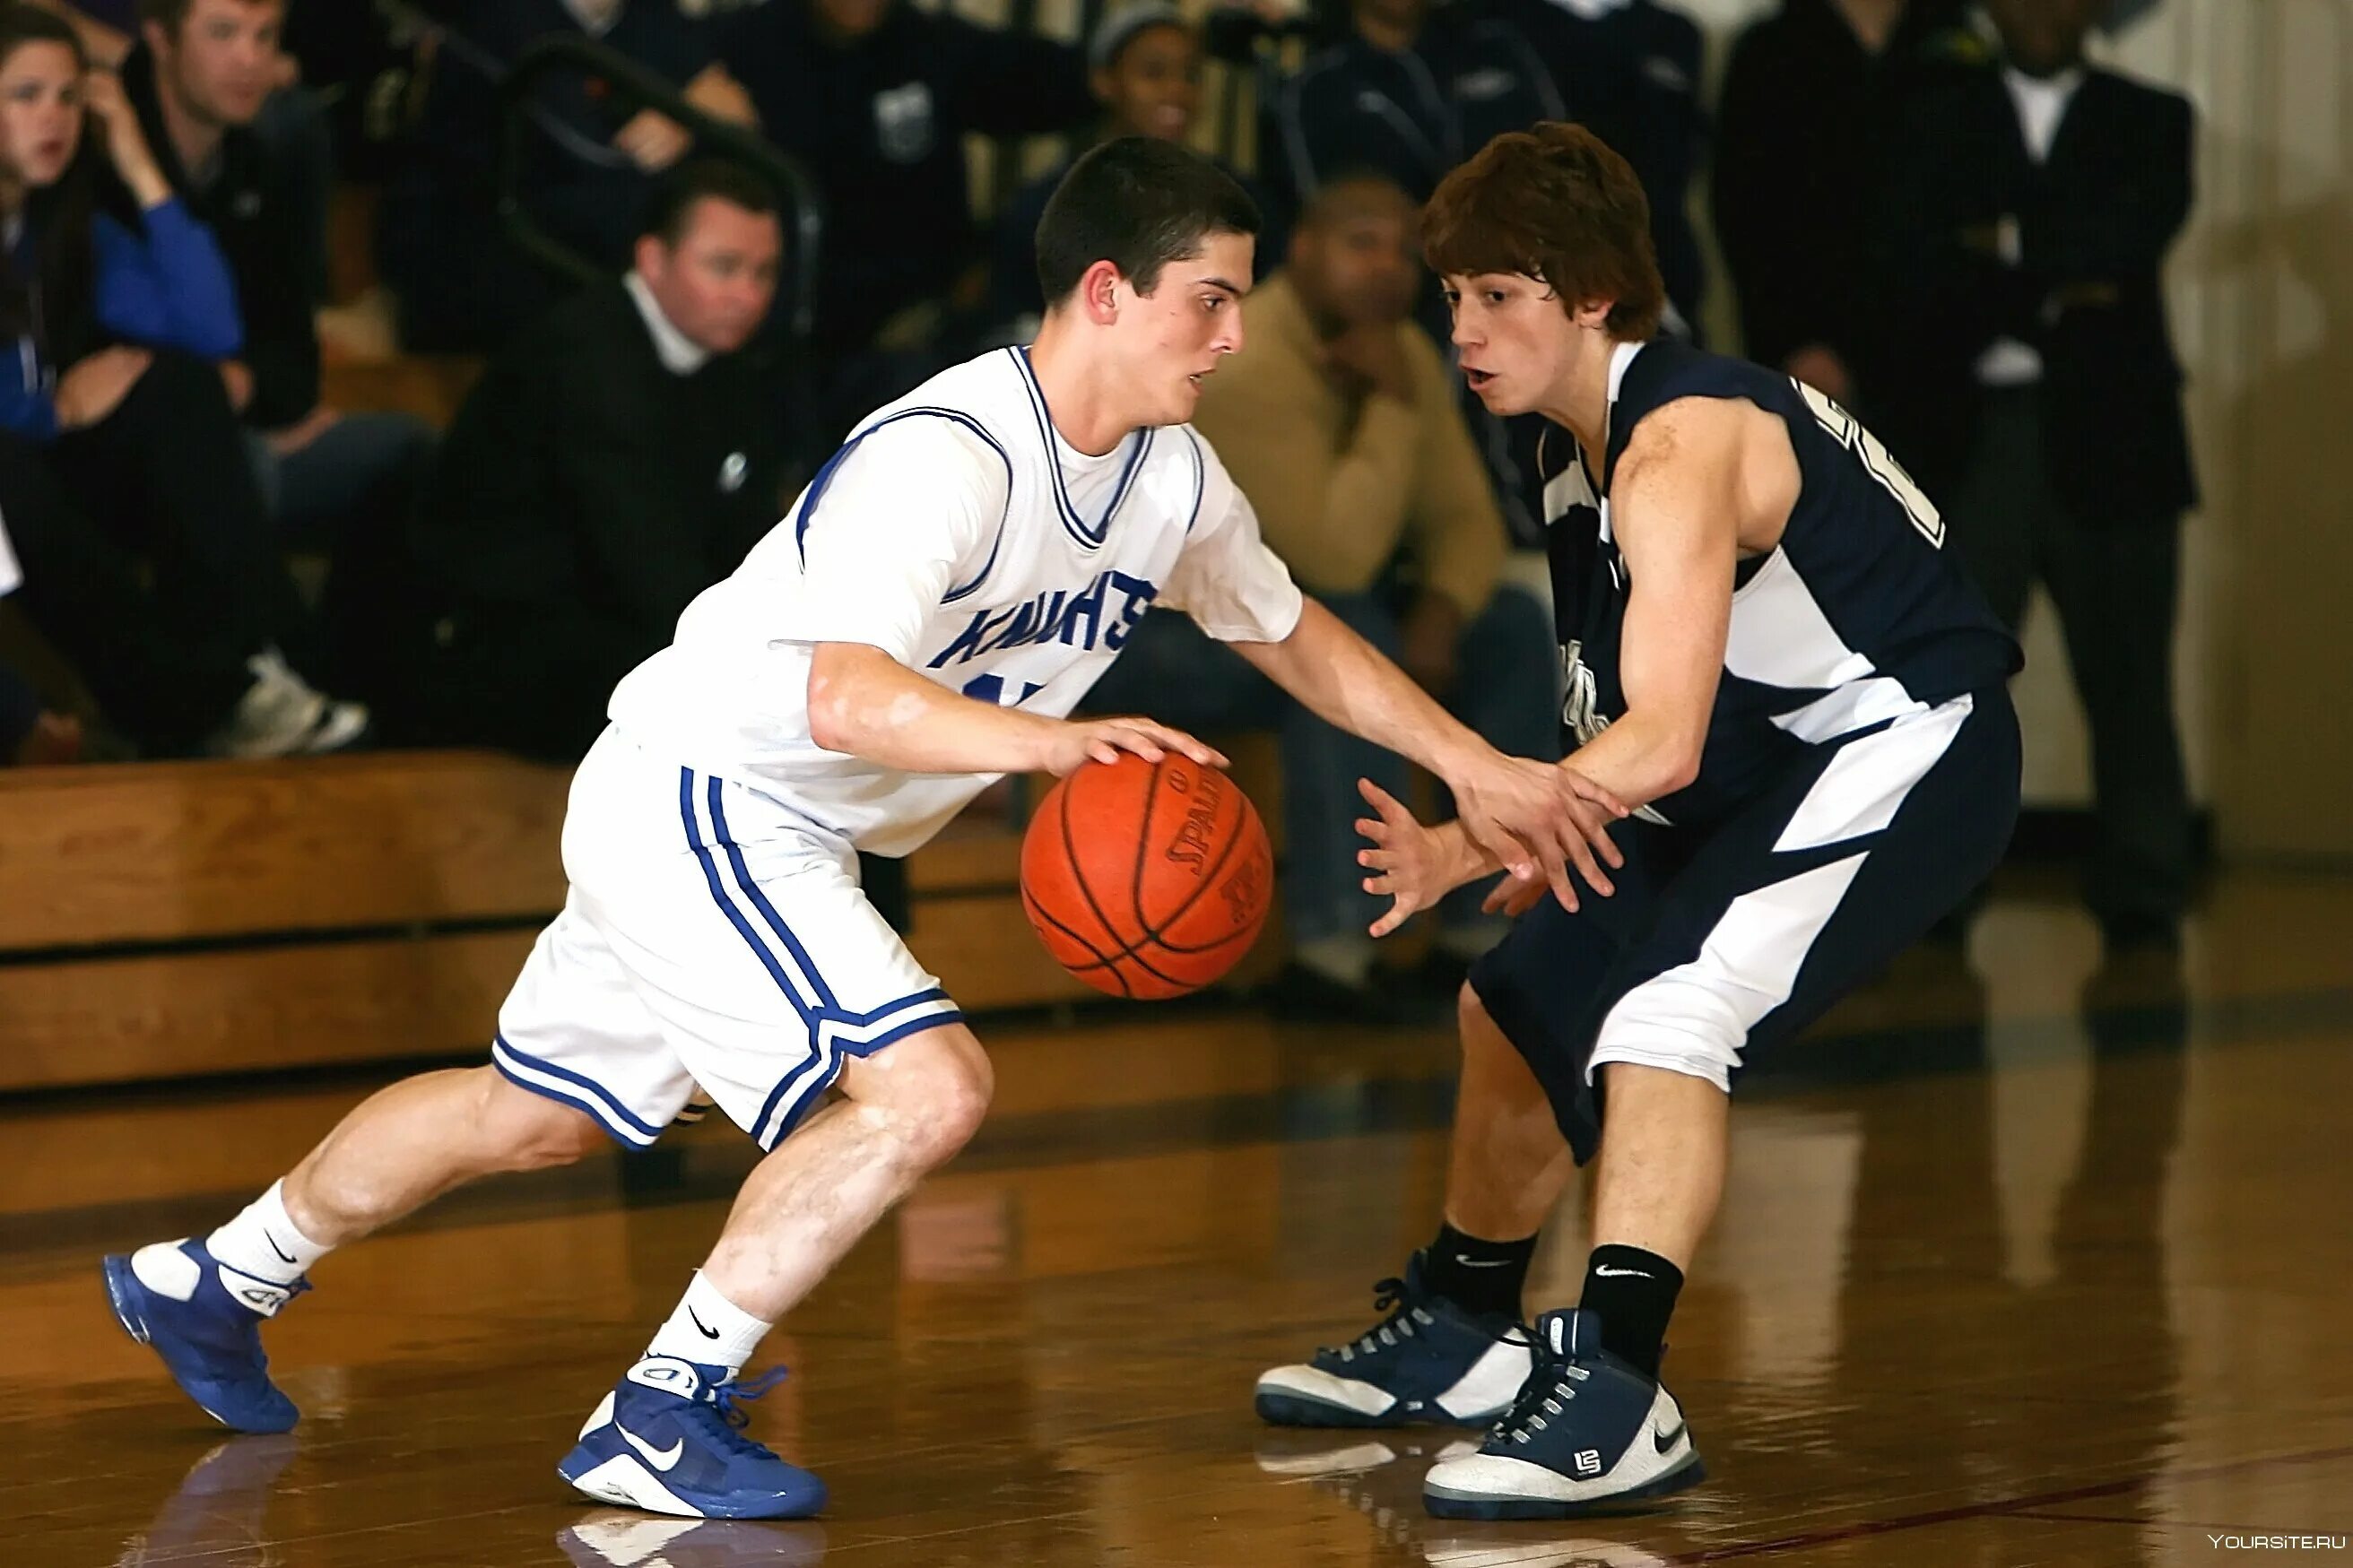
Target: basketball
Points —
{"points": [[1147, 880]]}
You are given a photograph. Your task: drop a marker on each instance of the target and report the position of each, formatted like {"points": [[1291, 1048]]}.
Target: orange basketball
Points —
{"points": [[1147, 880]]}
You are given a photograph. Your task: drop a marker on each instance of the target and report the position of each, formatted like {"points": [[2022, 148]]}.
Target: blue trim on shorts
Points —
{"points": [[827, 1061], [826, 1005], [719, 895], [596, 1109], [816, 1093], [807, 1078]]}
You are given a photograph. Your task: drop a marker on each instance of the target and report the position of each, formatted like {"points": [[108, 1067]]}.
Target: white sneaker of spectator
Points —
{"points": [[281, 716]]}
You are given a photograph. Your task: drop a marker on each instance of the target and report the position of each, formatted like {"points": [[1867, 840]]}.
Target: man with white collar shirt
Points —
{"points": [[2039, 397], [618, 460]]}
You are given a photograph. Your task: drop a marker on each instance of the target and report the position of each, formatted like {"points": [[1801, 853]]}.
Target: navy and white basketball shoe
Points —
{"points": [[1427, 1363], [1586, 1434], [204, 1318], [667, 1439]]}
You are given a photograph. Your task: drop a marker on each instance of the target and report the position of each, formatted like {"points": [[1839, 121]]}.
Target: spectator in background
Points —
{"points": [[1409, 93], [120, 438], [1630, 71], [1144, 65], [1338, 420], [875, 98], [618, 457], [2040, 399], [1811, 99], [595, 156], [199, 79]]}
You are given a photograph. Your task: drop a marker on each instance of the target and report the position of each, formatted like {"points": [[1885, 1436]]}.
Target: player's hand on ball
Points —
{"points": [[1539, 820], [1077, 742], [1412, 865]]}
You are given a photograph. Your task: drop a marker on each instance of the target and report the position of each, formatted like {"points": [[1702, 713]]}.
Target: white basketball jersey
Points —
{"points": [[957, 532]]}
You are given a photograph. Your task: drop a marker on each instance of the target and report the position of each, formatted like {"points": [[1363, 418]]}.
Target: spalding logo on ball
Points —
{"points": [[1147, 880]]}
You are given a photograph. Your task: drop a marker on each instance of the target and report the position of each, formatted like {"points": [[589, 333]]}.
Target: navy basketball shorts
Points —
{"points": [[1725, 940]]}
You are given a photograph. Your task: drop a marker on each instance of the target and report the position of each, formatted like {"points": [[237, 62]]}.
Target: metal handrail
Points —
{"points": [[544, 56]]}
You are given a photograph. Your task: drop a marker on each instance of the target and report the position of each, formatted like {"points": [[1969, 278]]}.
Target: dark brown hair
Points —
{"points": [[50, 300], [1139, 204], [1554, 203], [171, 15]]}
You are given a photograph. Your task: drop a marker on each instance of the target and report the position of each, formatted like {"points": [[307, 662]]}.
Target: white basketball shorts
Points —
{"points": [[710, 937]]}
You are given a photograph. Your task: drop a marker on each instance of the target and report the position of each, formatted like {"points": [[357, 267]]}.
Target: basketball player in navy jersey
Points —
{"points": [[1770, 655]]}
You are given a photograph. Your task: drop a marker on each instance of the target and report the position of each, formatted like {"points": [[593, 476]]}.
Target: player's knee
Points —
{"points": [[932, 1088], [528, 1131]]}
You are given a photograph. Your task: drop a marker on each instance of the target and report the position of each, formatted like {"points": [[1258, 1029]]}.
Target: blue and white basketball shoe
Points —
{"points": [[204, 1318], [1427, 1363], [1588, 1433], [667, 1440]]}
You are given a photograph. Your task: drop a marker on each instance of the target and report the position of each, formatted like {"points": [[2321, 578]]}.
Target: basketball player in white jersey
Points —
{"points": [[922, 622]]}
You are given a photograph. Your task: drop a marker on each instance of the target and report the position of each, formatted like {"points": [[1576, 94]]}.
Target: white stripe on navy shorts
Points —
{"points": [[710, 937]]}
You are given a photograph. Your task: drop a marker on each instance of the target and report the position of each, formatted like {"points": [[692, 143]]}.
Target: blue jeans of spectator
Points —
{"points": [[1503, 691], [361, 472]]}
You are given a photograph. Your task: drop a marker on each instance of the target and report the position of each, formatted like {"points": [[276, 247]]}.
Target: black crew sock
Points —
{"points": [[1483, 1278], [1634, 1293]]}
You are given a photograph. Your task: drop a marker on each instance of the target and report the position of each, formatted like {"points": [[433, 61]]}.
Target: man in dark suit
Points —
{"points": [[616, 459], [2040, 401], [1809, 100]]}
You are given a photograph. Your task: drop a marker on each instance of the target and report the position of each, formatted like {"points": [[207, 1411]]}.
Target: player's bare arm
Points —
{"points": [[866, 703], [1681, 513], [1532, 815], [1697, 487]]}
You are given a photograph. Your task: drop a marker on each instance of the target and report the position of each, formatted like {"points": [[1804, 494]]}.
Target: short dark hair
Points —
{"points": [[1138, 203], [672, 206], [1556, 203], [170, 15]]}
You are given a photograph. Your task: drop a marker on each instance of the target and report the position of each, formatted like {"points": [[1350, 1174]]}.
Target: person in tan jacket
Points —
{"points": [[1339, 420]]}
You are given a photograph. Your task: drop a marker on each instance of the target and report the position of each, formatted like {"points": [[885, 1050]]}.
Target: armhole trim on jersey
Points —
{"points": [[1200, 476], [819, 485]]}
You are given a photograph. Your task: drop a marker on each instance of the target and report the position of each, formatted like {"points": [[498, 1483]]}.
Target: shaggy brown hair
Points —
{"points": [[1552, 203]]}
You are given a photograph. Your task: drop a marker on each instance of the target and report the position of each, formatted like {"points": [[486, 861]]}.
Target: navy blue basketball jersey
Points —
{"points": [[1856, 619]]}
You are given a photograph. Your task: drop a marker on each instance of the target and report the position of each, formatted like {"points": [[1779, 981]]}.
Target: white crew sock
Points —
{"points": [[263, 1241], [708, 1329]]}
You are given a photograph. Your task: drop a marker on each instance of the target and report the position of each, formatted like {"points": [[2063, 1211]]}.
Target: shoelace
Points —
{"points": [[727, 1400], [1406, 1315], [1544, 1395]]}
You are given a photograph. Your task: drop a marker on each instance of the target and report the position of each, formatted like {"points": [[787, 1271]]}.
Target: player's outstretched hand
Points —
{"points": [[1539, 820], [1411, 864], [1079, 741]]}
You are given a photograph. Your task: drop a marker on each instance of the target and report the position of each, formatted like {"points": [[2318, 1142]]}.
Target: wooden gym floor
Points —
{"points": [[2023, 1263]]}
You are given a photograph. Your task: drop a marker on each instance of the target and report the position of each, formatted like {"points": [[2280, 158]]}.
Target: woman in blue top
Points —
{"points": [[117, 438]]}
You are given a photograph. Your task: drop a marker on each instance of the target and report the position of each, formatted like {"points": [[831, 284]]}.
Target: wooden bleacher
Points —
{"points": [[171, 920]]}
